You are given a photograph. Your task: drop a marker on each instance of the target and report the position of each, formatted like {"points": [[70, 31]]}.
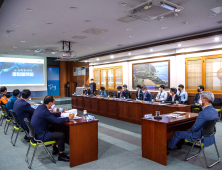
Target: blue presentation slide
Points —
{"points": [[21, 71], [53, 81]]}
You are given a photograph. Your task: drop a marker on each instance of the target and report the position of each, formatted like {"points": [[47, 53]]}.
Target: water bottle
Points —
{"points": [[85, 114]]}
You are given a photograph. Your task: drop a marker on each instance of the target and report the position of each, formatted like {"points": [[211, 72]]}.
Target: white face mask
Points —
{"points": [[144, 91], [118, 91], [137, 89], [171, 94], [53, 106], [160, 89]]}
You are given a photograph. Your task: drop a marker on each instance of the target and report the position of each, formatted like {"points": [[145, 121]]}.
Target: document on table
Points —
{"points": [[66, 114], [173, 115]]}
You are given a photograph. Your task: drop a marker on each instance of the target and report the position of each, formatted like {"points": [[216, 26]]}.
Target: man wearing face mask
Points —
{"points": [[182, 93], [173, 97], [197, 99], [121, 93], [146, 95], [94, 86], [127, 91], [11, 100], [23, 110], [208, 113], [40, 122], [162, 94], [139, 93]]}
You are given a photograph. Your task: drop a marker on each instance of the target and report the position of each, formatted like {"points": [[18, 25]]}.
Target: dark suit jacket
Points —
{"points": [[148, 96], [124, 94], [94, 87], [87, 92], [41, 119], [139, 95], [23, 110], [177, 98], [196, 98]]}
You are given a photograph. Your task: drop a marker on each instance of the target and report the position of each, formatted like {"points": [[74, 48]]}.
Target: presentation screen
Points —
{"points": [[23, 72]]}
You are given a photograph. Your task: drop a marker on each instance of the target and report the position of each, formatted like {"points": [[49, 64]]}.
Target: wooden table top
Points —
{"points": [[79, 121], [166, 120]]}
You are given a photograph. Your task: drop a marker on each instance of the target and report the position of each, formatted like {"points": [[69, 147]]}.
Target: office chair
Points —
{"points": [[218, 102], [36, 143], [8, 119], [17, 128], [2, 115], [208, 130]]}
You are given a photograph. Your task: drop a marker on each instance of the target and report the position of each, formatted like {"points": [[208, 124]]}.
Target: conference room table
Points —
{"points": [[157, 133], [82, 137], [130, 111]]}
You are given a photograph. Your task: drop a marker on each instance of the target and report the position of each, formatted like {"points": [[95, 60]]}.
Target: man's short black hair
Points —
{"points": [[92, 79], [125, 85], [3, 88], [162, 86], [48, 99], [139, 86], [102, 88], [26, 93], [173, 90], [201, 87], [119, 87], [16, 92], [182, 86]]}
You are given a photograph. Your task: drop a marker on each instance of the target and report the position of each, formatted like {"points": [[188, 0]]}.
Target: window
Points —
{"points": [[110, 77], [206, 71]]}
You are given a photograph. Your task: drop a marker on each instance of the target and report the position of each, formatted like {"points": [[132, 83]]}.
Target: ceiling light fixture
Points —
{"points": [[88, 20], [10, 31], [49, 23], [185, 22], [129, 29], [85, 61], [28, 9], [111, 56], [212, 15], [129, 53], [217, 39], [163, 28], [97, 59], [73, 7], [197, 27], [23, 41], [123, 3], [151, 50], [179, 45], [131, 36], [14, 47]]}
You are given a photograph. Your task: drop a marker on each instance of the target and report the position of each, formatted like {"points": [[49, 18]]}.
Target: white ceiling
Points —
{"points": [[102, 14]]}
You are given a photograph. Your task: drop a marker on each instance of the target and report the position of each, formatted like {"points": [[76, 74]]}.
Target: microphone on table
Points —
{"points": [[158, 117]]}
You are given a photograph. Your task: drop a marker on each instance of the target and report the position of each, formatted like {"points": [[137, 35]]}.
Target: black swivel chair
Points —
{"points": [[208, 130], [36, 143], [218, 102], [2, 115], [8, 119]]}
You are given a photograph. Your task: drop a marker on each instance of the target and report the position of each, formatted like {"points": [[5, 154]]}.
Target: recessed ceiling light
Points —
{"points": [[73, 7], [212, 15], [217, 39], [27, 50], [129, 29], [197, 27], [97, 59], [10, 31], [23, 41], [28, 9], [129, 53], [5, 35], [85, 61], [179, 45], [14, 47], [163, 28], [14, 25], [151, 50], [131, 36], [123, 3], [111, 56], [90, 48], [49, 23], [185, 22]]}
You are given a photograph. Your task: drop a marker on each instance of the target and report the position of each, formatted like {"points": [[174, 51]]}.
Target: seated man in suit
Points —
{"points": [[3, 98], [139, 93], [40, 122], [11, 100], [173, 97], [162, 94], [182, 93], [87, 91], [146, 95], [208, 113], [23, 110], [121, 93], [127, 91], [197, 99]]}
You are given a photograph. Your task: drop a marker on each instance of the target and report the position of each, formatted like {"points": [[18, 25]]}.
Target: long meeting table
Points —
{"points": [[129, 111]]}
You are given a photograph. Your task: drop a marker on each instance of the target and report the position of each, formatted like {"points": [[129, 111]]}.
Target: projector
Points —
{"points": [[67, 54]]}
